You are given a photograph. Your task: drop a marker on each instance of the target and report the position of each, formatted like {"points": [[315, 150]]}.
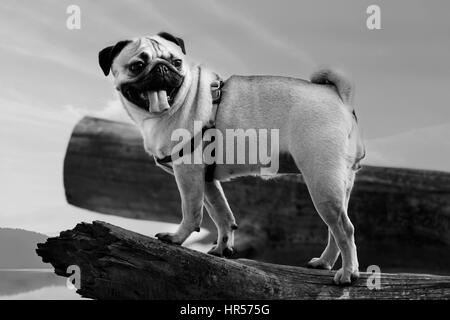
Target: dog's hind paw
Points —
{"points": [[345, 278]]}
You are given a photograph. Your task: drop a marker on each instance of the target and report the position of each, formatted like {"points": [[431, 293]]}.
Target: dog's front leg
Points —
{"points": [[191, 184]]}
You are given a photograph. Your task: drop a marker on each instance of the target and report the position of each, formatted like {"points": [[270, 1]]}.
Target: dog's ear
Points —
{"points": [[178, 41], [107, 55]]}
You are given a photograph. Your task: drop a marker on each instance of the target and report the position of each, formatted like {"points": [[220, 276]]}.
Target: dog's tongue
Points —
{"points": [[157, 101]]}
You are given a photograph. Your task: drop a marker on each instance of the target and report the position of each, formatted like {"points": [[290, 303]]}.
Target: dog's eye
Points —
{"points": [[177, 63], [136, 67]]}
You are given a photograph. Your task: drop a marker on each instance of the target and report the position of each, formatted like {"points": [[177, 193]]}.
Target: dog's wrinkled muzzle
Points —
{"points": [[154, 90]]}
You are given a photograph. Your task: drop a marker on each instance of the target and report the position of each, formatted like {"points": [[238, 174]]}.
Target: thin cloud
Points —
{"points": [[55, 55], [423, 148], [113, 111], [260, 32]]}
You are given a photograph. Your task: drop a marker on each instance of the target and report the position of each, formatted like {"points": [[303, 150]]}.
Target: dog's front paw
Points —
{"points": [[172, 238], [345, 277], [219, 251], [319, 263]]}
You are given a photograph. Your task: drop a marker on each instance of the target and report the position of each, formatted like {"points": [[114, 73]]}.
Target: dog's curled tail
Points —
{"points": [[344, 86]]}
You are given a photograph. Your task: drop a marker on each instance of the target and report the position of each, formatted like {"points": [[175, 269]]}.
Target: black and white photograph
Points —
{"points": [[225, 155]]}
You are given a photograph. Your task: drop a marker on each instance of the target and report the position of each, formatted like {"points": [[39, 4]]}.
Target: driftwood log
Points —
{"points": [[120, 264], [402, 216]]}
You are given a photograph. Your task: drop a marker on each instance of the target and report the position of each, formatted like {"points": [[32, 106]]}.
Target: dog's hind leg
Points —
{"points": [[331, 253], [329, 193], [329, 178], [217, 206]]}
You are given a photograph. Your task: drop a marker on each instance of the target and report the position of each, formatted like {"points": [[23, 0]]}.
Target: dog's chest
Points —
{"points": [[157, 140]]}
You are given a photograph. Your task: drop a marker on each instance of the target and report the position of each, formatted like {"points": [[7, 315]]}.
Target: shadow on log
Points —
{"points": [[120, 264], [401, 216]]}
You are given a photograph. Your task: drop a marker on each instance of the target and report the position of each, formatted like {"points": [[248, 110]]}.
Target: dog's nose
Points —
{"points": [[162, 69]]}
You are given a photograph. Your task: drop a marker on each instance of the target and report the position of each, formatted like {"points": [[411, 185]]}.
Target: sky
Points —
{"points": [[50, 77]]}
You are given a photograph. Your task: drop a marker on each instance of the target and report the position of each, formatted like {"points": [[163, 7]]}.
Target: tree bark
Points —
{"points": [[120, 264]]}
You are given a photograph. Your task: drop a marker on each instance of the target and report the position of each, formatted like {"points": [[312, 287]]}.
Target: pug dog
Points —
{"points": [[317, 127]]}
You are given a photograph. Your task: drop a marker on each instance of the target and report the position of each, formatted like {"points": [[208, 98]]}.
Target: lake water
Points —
{"points": [[34, 284]]}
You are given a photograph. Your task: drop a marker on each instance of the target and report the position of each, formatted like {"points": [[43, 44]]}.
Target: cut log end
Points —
{"points": [[115, 263]]}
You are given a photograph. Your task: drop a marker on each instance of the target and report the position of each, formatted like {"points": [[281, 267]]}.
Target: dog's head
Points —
{"points": [[148, 71]]}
